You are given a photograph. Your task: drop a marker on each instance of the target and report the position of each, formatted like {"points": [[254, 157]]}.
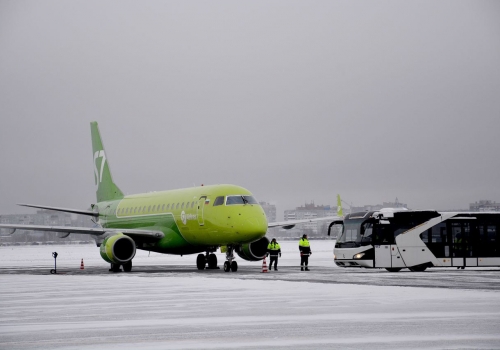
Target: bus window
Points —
{"points": [[382, 234], [366, 232], [439, 233], [351, 231], [424, 236]]}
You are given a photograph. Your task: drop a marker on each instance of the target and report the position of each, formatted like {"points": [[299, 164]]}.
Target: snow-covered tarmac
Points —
{"points": [[165, 303]]}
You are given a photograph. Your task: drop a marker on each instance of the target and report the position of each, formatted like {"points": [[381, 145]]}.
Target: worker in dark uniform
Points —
{"points": [[305, 251], [273, 250]]}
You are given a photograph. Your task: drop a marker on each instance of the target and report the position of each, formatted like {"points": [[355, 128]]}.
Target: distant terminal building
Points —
{"points": [[310, 211], [46, 218], [484, 205], [395, 204], [270, 210]]}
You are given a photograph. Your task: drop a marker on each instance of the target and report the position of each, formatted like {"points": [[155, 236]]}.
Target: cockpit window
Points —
{"points": [[230, 200], [219, 201]]}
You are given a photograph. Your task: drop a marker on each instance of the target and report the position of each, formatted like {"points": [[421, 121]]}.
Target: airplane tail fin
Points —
{"points": [[105, 187], [339, 207]]}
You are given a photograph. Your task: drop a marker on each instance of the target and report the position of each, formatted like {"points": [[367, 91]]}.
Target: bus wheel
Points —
{"points": [[418, 268], [393, 269]]}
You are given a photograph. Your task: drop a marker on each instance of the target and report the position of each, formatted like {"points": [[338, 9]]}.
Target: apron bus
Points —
{"points": [[418, 239]]}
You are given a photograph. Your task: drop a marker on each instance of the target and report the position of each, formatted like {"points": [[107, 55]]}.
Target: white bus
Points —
{"points": [[395, 239]]}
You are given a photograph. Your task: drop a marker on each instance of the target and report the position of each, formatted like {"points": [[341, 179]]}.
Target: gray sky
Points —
{"points": [[296, 101]]}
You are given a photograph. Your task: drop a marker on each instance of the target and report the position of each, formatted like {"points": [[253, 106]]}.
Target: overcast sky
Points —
{"points": [[296, 101]]}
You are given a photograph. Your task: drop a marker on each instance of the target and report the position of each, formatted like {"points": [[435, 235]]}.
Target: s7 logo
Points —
{"points": [[98, 174]]}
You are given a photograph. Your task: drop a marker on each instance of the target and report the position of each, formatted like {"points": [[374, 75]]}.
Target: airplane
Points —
{"points": [[193, 220]]}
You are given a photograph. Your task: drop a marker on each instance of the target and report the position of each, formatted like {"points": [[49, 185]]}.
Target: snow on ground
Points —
{"points": [[165, 303]]}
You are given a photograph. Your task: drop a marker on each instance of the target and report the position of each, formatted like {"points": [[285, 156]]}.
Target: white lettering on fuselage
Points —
{"points": [[185, 217]]}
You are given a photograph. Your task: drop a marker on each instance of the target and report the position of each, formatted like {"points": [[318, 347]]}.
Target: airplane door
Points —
{"points": [[201, 206]]}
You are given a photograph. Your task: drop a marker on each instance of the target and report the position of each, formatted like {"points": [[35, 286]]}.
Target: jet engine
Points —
{"points": [[118, 249], [253, 251]]}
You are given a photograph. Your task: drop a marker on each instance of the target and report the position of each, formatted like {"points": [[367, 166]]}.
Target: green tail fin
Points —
{"points": [[105, 187], [339, 207]]}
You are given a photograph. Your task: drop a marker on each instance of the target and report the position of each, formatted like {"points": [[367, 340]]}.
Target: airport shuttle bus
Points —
{"points": [[395, 239]]}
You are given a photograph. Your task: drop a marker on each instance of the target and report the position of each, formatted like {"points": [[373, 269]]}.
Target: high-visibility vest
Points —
{"points": [[304, 243], [273, 246]]}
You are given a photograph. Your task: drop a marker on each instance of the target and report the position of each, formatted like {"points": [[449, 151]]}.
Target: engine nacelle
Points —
{"points": [[253, 251], [118, 249]]}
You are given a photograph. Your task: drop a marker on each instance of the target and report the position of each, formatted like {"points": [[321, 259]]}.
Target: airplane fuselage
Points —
{"points": [[191, 219]]}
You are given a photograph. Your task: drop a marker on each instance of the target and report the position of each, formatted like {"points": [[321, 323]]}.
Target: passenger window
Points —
{"points": [[219, 201], [425, 236], [182, 206], [168, 206], [149, 209], [154, 208], [439, 233], [192, 204], [177, 206], [163, 207]]}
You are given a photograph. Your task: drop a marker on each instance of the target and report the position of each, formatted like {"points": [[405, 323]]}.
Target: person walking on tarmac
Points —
{"points": [[305, 251], [273, 250]]}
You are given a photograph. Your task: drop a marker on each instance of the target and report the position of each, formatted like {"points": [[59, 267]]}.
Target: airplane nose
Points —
{"points": [[257, 225]]}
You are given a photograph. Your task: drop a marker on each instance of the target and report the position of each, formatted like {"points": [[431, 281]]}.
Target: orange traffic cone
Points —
{"points": [[264, 265], [81, 265]]}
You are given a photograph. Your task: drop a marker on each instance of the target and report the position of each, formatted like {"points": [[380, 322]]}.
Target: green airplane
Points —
{"points": [[184, 221]]}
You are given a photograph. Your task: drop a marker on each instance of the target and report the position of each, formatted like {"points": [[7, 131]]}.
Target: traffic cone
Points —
{"points": [[264, 265], [81, 266]]}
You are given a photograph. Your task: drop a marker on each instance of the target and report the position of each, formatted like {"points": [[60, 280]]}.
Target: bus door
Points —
{"points": [[397, 261], [383, 255], [382, 240], [463, 242]]}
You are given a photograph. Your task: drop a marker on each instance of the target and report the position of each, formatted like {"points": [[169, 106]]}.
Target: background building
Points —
{"points": [[310, 211], [484, 205], [47, 218], [369, 207], [270, 210]]}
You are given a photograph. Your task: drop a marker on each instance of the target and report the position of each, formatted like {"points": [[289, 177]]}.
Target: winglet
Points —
{"points": [[339, 207], [105, 187]]}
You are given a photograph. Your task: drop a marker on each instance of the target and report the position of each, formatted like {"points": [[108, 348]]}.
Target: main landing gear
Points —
{"points": [[230, 264], [127, 267], [209, 260]]}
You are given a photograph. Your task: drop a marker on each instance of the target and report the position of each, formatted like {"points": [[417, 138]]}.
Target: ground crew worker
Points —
{"points": [[273, 250], [305, 251]]}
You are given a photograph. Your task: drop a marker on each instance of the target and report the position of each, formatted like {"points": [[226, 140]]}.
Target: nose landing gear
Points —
{"points": [[230, 264]]}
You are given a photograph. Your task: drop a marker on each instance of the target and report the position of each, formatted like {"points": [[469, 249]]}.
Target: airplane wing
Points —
{"points": [[66, 210], [85, 230], [291, 223]]}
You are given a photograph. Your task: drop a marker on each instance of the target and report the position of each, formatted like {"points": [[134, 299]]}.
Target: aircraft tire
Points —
{"points": [[234, 266], [127, 267], [212, 261], [200, 262], [227, 266], [393, 269], [115, 267]]}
